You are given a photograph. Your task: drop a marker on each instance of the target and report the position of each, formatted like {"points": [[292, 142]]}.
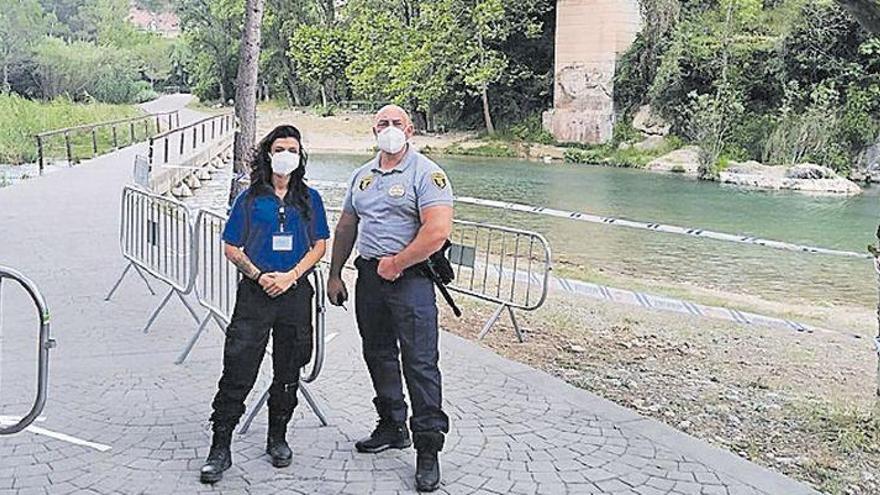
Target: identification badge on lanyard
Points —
{"points": [[282, 241]]}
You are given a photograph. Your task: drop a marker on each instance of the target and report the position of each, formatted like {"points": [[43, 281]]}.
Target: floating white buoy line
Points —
{"points": [[204, 173]]}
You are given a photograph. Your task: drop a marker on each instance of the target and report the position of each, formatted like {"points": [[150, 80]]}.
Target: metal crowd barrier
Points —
{"points": [[45, 341], [170, 119], [156, 237], [175, 144], [215, 287], [500, 265]]}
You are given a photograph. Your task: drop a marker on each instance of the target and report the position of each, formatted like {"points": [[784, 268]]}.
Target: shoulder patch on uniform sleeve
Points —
{"points": [[439, 179], [365, 182]]}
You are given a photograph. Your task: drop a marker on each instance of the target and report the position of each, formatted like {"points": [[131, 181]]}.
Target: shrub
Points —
{"points": [[21, 119]]}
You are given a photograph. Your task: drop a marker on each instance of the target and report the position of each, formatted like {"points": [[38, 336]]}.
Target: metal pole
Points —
{"points": [[115, 139], [69, 150], [1, 337], [131, 132], [40, 152], [94, 142]]}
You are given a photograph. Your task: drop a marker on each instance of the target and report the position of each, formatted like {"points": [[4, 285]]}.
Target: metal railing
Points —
{"points": [[216, 286], [500, 265], [155, 235], [45, 344], [174, 145], [92, 134]]}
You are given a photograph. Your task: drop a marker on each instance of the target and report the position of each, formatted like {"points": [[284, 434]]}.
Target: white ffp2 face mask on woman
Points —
{"points": [[285, 162], [391, 140]]}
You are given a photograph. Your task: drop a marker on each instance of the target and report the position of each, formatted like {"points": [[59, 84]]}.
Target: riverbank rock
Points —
{"points": [[545, 152], [646, 122], [684, 160], [805, 177], [650, 143], [868, 165], [810, 171]]}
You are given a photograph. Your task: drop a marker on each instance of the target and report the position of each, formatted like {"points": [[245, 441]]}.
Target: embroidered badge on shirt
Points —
{"points": [[365, 183], [396, 191], [439, 179]]}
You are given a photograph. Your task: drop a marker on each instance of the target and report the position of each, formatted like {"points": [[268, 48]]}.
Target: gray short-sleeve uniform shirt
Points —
{"points": [[387, 203]]}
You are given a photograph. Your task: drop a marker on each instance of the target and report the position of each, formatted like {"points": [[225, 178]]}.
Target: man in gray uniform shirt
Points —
{"points": [[399, 208]]}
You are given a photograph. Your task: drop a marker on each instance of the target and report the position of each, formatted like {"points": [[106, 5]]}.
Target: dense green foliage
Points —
{"points": [[84, 50], [780, 81], [455, 63], [21, 118]]}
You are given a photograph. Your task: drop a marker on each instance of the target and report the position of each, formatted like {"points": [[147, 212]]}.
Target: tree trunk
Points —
{"points": [[246, 86], [323, 96], [490, 128], [330, 85], [222, 85], [289, 82], [329, 12], [866, 12]]}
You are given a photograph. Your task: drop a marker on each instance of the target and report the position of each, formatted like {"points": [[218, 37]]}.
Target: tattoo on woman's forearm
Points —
{"points": [[243, 263]]}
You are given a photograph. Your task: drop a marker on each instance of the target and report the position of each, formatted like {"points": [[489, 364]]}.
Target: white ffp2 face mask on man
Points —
{"points": [[285, 162], [391, 140]]}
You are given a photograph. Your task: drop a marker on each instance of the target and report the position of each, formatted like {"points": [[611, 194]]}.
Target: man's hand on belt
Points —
{"points": [[388, 269]]}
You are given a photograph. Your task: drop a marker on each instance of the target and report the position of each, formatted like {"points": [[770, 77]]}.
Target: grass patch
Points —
{"points": [[492, 149], [616, 156], [21, 119]]}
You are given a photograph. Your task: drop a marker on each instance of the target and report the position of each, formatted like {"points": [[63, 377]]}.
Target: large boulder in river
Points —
{"points": [[683, 160], [806, 177]]}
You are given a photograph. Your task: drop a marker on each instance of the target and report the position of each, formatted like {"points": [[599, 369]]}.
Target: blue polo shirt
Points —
{"points": [[255, 235]]}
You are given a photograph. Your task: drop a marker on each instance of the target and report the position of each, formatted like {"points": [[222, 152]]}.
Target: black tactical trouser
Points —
{"points": [[289, 316], [398, 324]]}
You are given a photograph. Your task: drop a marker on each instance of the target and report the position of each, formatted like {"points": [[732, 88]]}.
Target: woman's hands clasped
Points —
{"points": [[277, 283]]}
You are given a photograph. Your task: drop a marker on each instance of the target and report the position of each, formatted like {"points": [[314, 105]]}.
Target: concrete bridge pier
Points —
{"points": [[590, 37]]}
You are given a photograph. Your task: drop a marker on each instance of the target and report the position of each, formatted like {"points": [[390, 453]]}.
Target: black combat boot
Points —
{"points": [[428, 444], [219, 458], [387, 435], [276, 442]]}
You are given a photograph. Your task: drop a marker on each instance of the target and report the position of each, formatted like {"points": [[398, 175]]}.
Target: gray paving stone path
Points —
{"points": [[514, 429]]}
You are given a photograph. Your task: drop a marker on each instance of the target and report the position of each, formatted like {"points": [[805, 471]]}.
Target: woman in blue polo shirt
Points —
{"points": [[275, 235]]}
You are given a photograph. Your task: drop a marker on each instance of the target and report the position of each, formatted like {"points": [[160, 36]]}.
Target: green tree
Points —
{"points": [[320, 55], [482, 64], [22, 25], [213, 31]]}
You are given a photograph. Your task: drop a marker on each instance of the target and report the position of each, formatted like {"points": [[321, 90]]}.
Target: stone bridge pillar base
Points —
{"points": [[590, 36]]}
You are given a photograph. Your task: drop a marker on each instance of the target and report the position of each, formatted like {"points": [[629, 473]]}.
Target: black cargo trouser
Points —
{"points": [[289, 316], [398, 324]]}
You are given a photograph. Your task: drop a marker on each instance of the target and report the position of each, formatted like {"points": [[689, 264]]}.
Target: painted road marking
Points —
{"points": [[58, 436]]}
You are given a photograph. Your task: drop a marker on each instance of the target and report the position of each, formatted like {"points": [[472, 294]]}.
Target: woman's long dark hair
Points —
{"points": [[261, 171]]}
